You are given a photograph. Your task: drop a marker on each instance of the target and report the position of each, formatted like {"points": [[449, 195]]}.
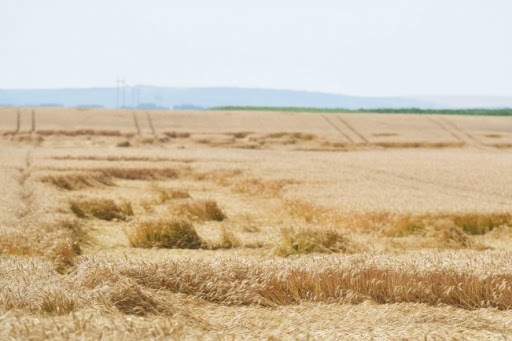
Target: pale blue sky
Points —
{"points": [[355, 47]]}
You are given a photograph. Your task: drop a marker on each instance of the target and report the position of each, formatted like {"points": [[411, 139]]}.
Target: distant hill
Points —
{"points": [[152, 97], [148, 97]]}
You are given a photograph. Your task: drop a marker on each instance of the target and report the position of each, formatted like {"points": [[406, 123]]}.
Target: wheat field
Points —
{"points": [[122, 225]]}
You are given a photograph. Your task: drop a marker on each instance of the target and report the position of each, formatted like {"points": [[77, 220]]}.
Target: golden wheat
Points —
{"points": [[248, 229]]}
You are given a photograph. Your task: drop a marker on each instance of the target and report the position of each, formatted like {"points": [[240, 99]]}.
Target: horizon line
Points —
{"points": [[426, 95]]}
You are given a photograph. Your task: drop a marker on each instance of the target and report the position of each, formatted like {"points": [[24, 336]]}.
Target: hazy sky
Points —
{"points": [[356, 47]]}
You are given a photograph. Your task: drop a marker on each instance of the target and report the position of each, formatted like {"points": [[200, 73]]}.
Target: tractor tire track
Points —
{"points": [[18, 122], [462, 136], [459, 130], [144, 126], [338, 129], [150, 122], [349, 127], [136, 123], [446, 129]]}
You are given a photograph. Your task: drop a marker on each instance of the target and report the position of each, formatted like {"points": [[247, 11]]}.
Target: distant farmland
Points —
{"points": [[479, 112]]}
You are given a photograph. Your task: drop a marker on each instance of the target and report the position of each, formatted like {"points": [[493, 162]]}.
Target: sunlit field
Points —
{"points": [[244, 224]]}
